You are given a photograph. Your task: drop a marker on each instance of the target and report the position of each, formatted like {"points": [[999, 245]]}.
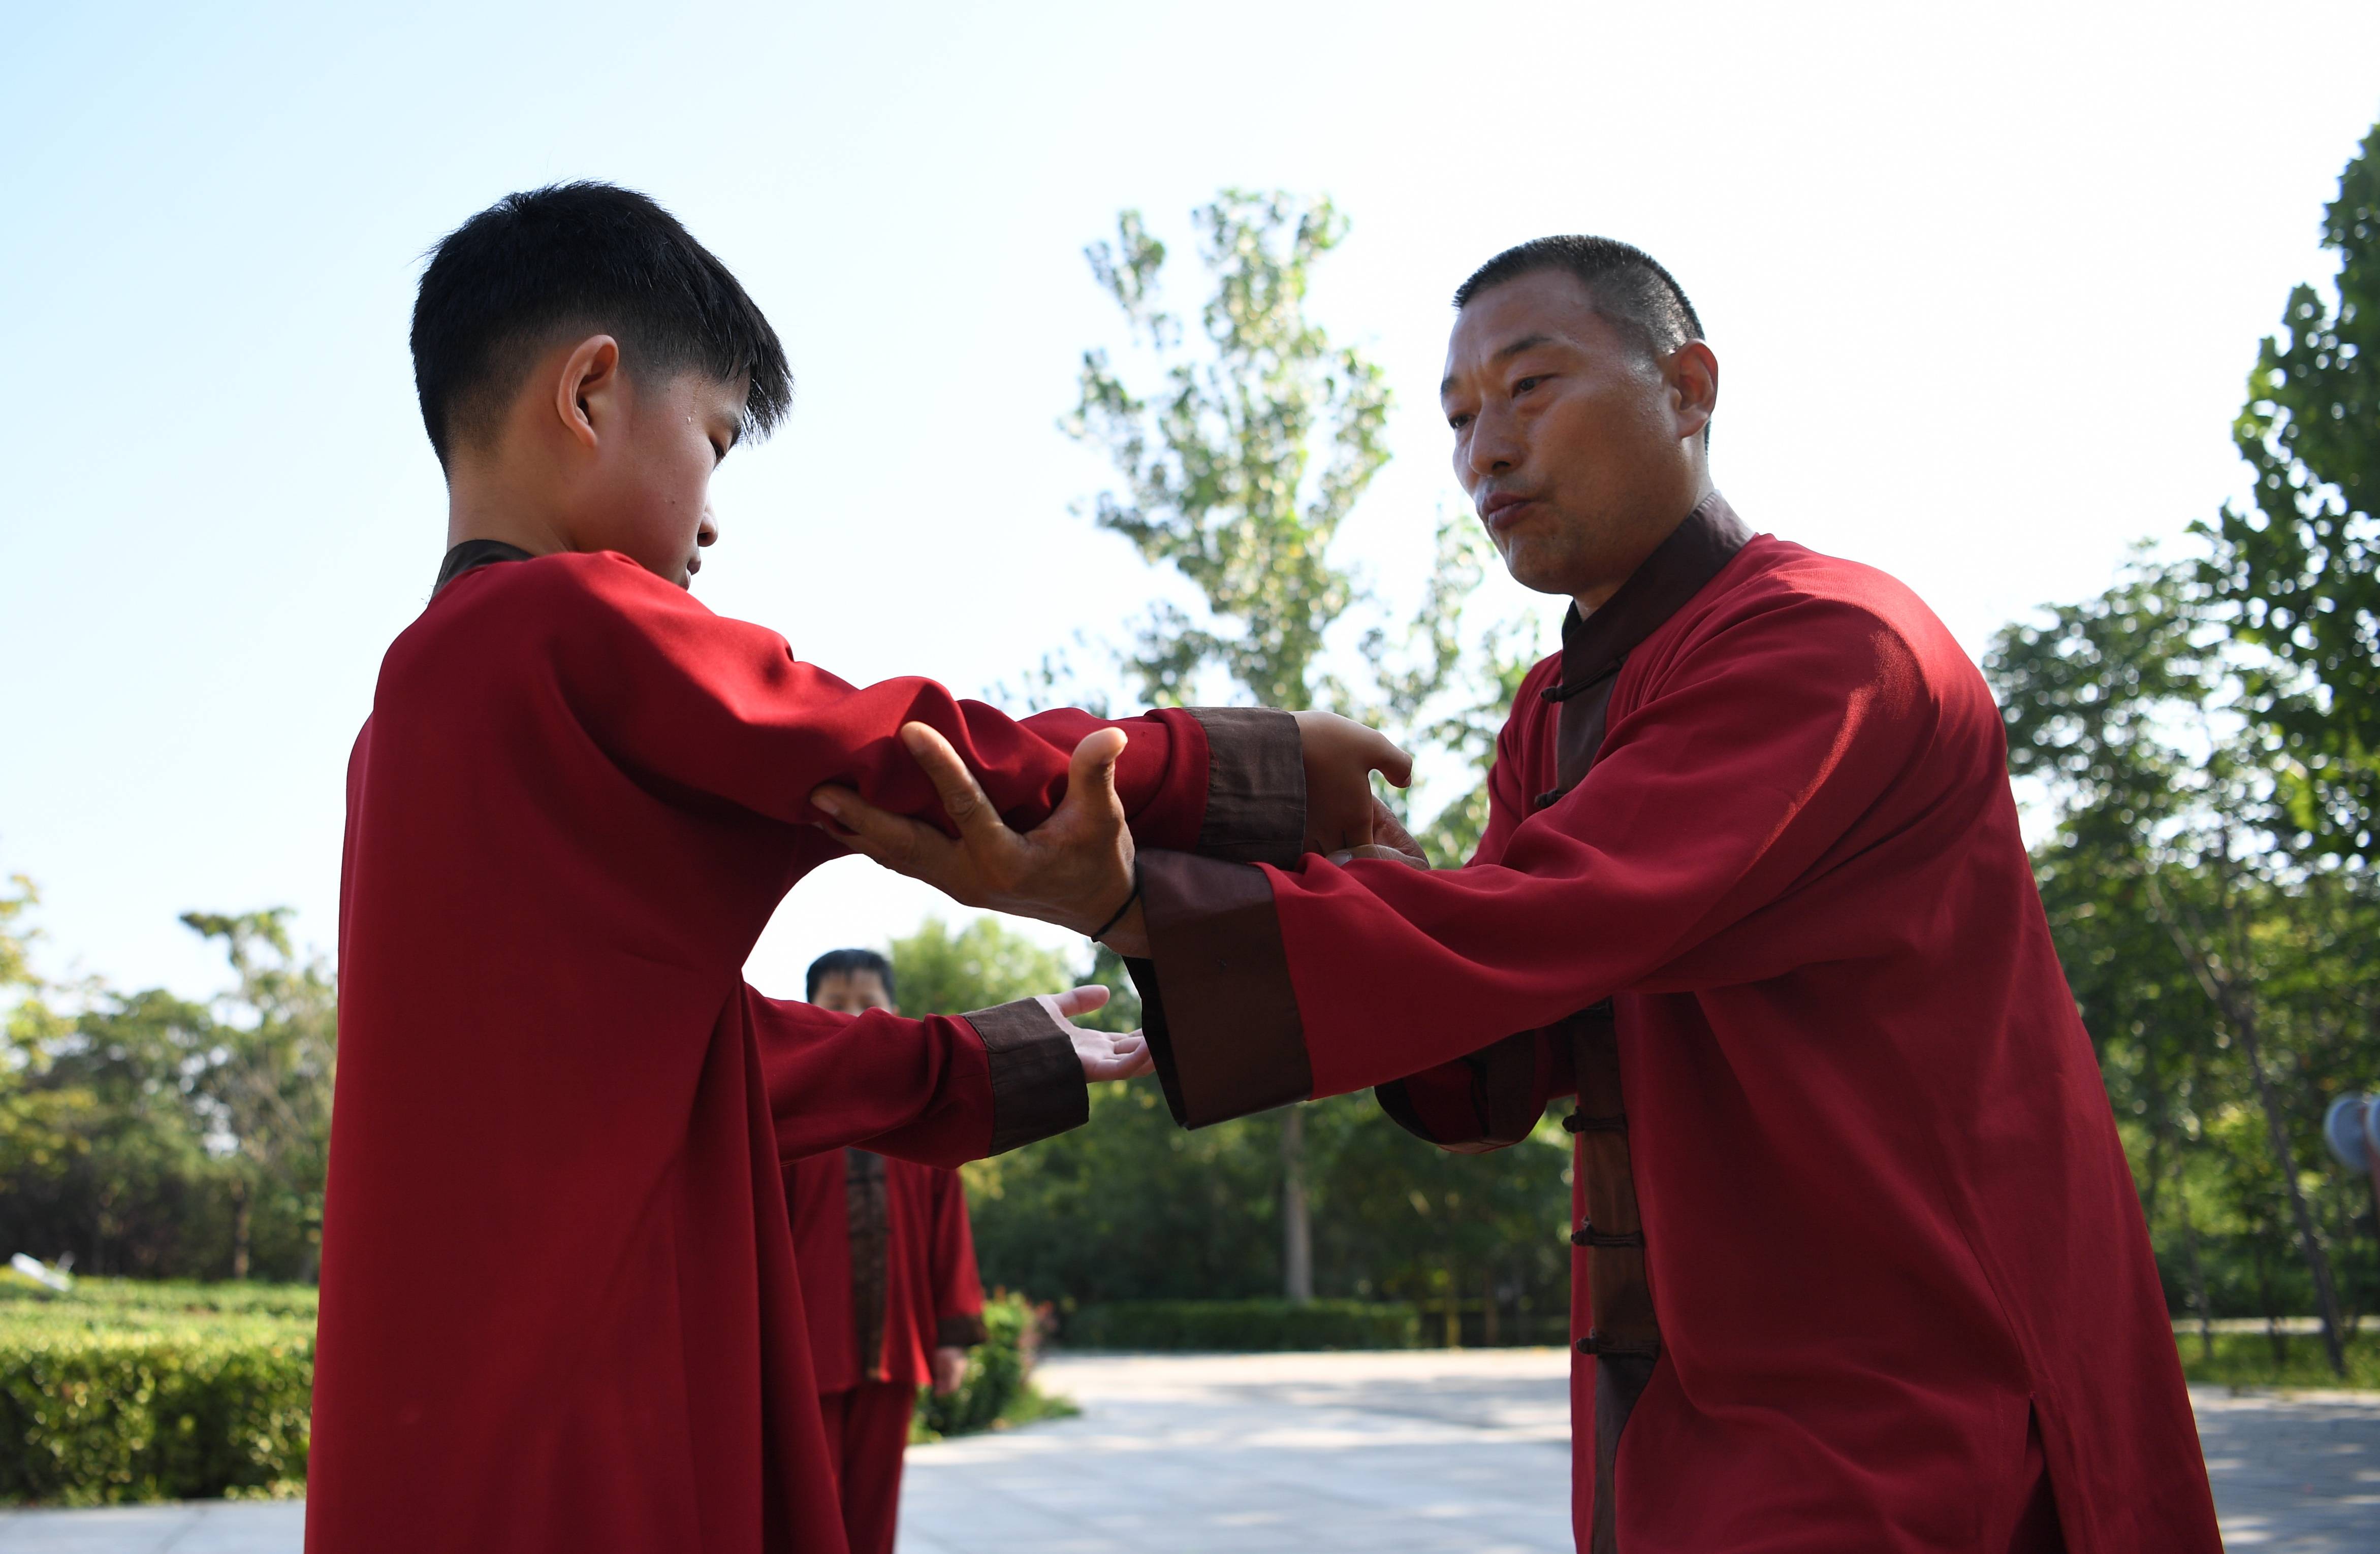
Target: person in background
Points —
{"points": [[888, 1276]]}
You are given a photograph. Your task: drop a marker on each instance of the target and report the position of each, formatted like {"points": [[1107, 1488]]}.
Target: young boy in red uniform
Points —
{"points": [[888, 1271], [559, 1304]]}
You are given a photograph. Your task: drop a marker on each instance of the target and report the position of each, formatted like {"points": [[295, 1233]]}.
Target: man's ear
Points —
{"points": [[588, 390], [1693, 372]]}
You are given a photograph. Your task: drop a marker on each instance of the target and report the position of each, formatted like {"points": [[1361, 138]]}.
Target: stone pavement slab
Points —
{"points": [[2295, 1474], [1426, 1452]]}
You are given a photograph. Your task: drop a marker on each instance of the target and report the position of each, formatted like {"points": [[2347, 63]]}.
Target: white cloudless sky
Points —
{"points": [[1985, 281]]}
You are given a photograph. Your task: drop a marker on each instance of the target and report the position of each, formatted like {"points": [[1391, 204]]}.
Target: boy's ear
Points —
{"points": [[588, 387]]}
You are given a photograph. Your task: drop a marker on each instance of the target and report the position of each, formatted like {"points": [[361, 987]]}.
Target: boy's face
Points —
{"points": [[648, 493], [850, 992]]}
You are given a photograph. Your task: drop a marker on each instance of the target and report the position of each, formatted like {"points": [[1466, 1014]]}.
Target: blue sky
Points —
{"points": [[1985, 283]]}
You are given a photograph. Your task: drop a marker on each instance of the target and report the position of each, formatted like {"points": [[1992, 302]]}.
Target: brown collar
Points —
{"points": [[1594, 646]]}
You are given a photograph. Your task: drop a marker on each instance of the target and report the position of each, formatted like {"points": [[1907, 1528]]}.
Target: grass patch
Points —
{"points": [[2246, 1359]]}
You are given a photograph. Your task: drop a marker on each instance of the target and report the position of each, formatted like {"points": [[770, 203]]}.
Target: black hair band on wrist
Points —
{"points": [[1128, 900]]}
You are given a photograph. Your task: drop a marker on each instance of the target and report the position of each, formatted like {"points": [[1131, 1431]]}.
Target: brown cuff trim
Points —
{"points": [[959, 1333], [1036, 1081], [1224, 1032], [1255, 786]]}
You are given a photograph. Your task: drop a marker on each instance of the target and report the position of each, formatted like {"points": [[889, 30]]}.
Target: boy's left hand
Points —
{"points": [[1104, 1055], [950, 1369]]}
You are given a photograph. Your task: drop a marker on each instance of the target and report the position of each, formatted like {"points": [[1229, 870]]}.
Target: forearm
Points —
{"points": [[940, 1090]]}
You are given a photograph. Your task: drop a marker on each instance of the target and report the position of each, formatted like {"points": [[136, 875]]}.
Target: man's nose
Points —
{"points": [[707, 532], [1495, 447]]}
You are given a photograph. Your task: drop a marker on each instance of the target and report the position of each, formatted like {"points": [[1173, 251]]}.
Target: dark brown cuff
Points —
{"points": [[1223, 1028], [959, 1333], [1037, 1081], [1255, 786], [1504, 1104]]}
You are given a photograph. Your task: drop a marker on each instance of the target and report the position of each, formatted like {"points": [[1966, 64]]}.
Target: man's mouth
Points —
{"points": [[1504, 509]]}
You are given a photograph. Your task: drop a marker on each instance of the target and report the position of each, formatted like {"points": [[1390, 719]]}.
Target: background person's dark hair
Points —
{"points": [[589, 257], [845, 963]]}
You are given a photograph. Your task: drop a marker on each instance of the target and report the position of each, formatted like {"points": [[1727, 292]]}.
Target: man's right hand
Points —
{"points": [[1341, 756], [1074, 869]]}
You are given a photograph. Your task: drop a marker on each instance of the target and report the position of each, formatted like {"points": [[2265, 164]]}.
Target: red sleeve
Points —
{"points": [[1760, 749], [958, 1289], [939, 1091], [721, 710]]}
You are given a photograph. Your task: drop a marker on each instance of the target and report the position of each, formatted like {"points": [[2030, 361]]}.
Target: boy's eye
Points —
{"points": [[1525, 384], [1458, 422]]}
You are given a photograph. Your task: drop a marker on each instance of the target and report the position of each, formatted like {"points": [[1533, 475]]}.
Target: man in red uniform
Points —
{"points": [[887, 1275], [1859, 1264], [559, 1304]]}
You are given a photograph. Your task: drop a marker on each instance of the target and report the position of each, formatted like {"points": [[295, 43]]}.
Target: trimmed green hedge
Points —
{"points": [[122, 1391], [1244, 1326]]}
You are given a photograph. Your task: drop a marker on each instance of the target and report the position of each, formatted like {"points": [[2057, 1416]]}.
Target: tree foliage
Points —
{"points": [[2300, 563], [2221, 980], [1239, 470], [144, 1132]]}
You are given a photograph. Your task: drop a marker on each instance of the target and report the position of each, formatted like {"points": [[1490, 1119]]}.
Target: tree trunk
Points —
{"points": [[1296, 1226], [2197, 1273], [1489, 1327], [2240, 1013], [239, 1223]]}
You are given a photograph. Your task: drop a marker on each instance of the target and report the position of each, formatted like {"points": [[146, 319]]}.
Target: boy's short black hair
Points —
{"points": [[845, 963], [1629, 286], [585, 256]]}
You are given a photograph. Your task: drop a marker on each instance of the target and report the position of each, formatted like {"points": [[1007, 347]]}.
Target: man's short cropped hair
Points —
{"points": [[1629, 286], [589, 256], [847, 963]]}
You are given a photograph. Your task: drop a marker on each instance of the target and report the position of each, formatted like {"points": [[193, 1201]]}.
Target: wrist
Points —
{"points": [[1128, 935], [1132, 900]]}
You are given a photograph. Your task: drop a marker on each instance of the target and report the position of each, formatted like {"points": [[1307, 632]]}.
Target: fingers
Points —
{"points": [[1388, 830], [1105, 1056], [964, 799], [1090, 776], [1078, 1001], [1390, 759], [1345, 856], [899, 843]]}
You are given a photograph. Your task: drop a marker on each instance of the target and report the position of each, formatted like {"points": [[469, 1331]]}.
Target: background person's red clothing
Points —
{"points": [[1888, 1225], [887, 1265], [932, 1294], [559, 1306], [867, 1437]]}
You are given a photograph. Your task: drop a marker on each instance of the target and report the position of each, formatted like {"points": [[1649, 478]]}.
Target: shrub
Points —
{"points": [[111, 1395], [999, 1386], [1244, 1326]]}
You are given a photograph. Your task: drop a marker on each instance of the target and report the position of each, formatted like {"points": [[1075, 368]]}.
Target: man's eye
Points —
{"points": [[1525, 384], [1458, 422]]}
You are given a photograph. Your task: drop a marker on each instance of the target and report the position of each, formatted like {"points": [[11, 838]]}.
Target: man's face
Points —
{"points": [[1579, 451], [651, 494], [849, 993]]}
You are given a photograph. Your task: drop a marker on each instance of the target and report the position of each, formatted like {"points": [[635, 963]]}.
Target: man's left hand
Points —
{"points": [[950, 1369]]}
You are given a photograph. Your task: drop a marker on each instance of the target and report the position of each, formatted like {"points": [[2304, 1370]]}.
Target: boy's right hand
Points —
{"points": [[1105, 1055]]}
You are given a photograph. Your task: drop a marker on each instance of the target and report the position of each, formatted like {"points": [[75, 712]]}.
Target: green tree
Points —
{"points": [[144, 1132], [2300, 562], [2165, 879], [264, 1085], [1238, 472], [936, 971]]}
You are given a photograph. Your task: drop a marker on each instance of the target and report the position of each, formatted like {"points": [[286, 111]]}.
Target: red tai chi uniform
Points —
{"points": [[560, 1309], [1860, 1261], [888, 1273]]}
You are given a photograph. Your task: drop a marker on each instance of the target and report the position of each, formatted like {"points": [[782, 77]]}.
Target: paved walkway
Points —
{"points": [[1464, 1452]]}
